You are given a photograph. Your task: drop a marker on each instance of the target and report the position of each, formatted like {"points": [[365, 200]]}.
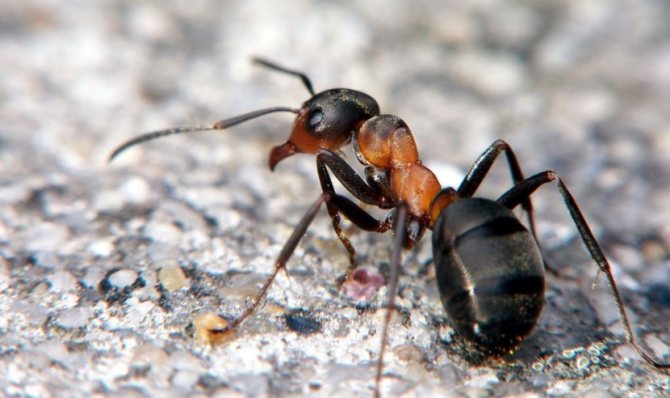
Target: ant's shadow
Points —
{"points": [[567, 321]]}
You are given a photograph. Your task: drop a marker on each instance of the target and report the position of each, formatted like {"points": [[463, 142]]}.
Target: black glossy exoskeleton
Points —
{"points": [[489, 268], [489, 272]]}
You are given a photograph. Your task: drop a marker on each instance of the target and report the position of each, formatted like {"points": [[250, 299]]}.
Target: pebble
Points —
{"points": [[483, 378], [62, 281], [136, 190], [172, 277], [304, 325], [123, 278], [93, 277], [74, 318], [101, 248], [204, 326], [494, 74], [185, 216], [108, 200], [56, 351], [657, 346], [597, 394], [164, 232], [160, 368], [46, 236], [583, 363], [182, 360], [161, 252], [185, 379]]}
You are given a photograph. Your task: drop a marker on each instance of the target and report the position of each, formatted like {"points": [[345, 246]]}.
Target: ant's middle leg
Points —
{"points": [[524, 189], [392, 289]]}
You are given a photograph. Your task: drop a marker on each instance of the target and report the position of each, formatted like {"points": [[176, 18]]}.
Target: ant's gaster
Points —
{"points": [[489, 269]]}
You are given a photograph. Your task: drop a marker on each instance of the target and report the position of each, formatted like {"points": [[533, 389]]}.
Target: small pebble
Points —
{"points": [[122, 278], [182, 360], [163, 232], [302, 324], [93, 277], [74, 318], [136, 190], [483, 379], [583, 363], [101, 248], [46, 236], [149, 354], [172, 277], [185, 379], [598, 394], [657, 346], [62, 281], [206, 328], [160, 368], [409, 353]]}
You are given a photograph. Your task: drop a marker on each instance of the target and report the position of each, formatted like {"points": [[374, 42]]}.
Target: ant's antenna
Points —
{"points": [[273, 66], [220, 125], [223, 124]]}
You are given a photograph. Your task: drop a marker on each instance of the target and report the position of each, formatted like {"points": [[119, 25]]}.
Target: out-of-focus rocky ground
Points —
{"points": [[104, 267]]}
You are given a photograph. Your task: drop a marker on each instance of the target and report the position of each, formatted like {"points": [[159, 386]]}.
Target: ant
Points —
{"points": [[490, 271]]}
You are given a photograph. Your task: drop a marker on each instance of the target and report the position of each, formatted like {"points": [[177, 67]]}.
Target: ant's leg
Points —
{"points": [[481, 167], [399, 230], [356, 185], [284, 255], [524, 189], [359, 217], [352, 211]]}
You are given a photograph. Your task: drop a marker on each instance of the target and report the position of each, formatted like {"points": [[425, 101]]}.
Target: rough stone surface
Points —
{"points": [[581, 87]]}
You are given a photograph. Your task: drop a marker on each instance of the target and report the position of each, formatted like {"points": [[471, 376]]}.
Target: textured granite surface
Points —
{"points": [[104, 267]]}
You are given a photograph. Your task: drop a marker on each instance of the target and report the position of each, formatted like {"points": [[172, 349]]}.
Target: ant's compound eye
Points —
{"points": [[314, 119], [328, 120]]}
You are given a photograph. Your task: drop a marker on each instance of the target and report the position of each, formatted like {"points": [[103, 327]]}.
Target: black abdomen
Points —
{"points": [[489, 272]]}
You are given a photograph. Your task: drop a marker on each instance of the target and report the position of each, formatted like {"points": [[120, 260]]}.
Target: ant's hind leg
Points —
{"points": [[284, 255], [480, 169], [524, 189], [482, 166]]}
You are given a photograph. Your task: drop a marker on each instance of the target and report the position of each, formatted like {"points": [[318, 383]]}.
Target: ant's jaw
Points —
{"points": [[281, 152]]}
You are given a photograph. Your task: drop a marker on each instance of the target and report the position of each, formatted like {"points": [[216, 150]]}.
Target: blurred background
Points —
{"points": [[581, 87]]}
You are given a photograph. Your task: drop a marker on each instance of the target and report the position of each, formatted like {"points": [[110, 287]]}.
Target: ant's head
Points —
{"points": [[327, 120]]}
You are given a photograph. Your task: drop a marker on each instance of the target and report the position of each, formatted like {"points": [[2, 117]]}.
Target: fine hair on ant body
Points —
{"points": [[490, 272]]}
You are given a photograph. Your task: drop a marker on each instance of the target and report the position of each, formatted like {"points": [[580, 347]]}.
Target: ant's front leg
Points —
{"points": [[326, 159], [284, 255], [341, 204]]}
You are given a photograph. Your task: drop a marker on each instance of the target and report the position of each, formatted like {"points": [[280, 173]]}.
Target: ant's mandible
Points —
{"points": [[489, 268]]}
